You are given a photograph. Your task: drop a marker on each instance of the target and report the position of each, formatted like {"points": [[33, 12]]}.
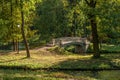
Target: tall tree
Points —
{"points": [[93, 22], [22, 29]]}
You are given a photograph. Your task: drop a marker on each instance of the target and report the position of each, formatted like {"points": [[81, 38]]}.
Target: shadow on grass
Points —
{"points": [[86, 64], [8, 52], [89, 69], [13, 60], [5, 52]]}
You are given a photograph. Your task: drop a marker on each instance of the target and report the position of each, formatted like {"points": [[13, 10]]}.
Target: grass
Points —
{"points": [[111, 48], [38, 60], [49, 60], [41, 59], [61, 75]]}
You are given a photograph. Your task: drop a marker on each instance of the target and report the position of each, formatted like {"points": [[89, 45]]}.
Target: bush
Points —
{"points": [[59, 50], [70, 48]]}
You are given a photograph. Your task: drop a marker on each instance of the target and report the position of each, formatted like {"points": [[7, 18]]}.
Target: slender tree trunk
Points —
{"points": [[11, 7], [74, 23], [92, 18], [17, 47], [85, 30], [13, 42], [100, 44], [22, 30]]}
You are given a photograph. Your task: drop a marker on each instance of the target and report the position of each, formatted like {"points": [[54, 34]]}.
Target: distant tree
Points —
{"points": [[51, 19]]}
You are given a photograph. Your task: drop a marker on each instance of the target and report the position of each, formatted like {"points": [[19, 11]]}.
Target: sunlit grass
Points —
{"points": [[48, 60], [37, 60]]}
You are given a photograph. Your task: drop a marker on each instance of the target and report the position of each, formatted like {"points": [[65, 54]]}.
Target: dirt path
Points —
{"points": [[43, 51], [44, 48]]}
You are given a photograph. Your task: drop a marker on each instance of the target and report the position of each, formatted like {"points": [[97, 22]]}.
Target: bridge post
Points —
{"points": [[60, 43], [87, 43], [53, 42]]}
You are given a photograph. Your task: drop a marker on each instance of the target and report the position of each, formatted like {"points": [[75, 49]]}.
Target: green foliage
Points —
{"points": [[70, 48], [10, 18], [110, 20], [57, 18], [59, 50], [48, 19]]}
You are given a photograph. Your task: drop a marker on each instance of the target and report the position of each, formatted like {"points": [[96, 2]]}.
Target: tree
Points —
{"points": [[93, 22], [109, 20], [102, 18], [58, 18], [10, 19], [22, 29], [51, 19]]}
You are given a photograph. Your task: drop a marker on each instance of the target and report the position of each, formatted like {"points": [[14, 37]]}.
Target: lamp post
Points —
{"points": [[18, 40]]}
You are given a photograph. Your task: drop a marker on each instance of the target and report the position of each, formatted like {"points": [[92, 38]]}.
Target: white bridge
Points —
{"points": [[81, 44]]}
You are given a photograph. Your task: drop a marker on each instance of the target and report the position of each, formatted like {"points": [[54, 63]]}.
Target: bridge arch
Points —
{"points": [[81, 44]]}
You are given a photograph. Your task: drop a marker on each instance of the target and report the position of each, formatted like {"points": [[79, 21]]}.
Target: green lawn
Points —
{"points": [[110, 47], [41, 59], [49, 60]]}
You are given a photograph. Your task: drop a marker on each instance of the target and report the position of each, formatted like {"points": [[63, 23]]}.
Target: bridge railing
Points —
{"points": [[80, 43], [65, 40]]}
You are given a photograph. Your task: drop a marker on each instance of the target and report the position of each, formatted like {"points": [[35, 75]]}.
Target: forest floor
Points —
{"points": [[43, 58], [47, 65]]}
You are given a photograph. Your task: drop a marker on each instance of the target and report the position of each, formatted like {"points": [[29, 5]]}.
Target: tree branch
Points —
{"points": [[95, 2], [87, 2]]}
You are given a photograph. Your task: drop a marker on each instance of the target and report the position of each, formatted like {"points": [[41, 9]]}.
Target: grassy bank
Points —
{"points": [[49, 60]]}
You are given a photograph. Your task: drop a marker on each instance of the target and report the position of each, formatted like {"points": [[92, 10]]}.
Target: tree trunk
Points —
{"points": [[22, 30], [17, 47], [95, 38], [92, 18], [85, 30], [13, 43], [11, 8], [74, 25], [100, 44]]}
